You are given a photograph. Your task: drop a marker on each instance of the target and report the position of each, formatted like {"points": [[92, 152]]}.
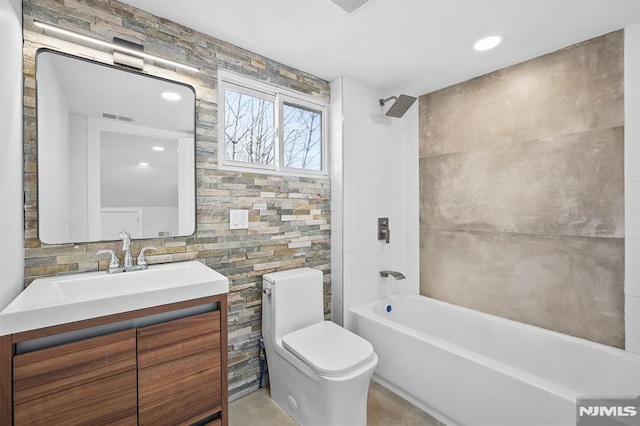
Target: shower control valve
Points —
{"points": [[383, 229]]}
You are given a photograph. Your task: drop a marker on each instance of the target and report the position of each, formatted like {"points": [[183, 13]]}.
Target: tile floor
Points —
{"points": [[384, 408]]}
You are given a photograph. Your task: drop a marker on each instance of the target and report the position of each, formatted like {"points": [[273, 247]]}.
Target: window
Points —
{"points": [[269, 128], [302, 137], [248, 128]]}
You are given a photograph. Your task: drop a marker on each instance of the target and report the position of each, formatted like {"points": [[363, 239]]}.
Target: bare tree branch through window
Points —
{"points": [[249, 128], [302, 138], [274, 130]]}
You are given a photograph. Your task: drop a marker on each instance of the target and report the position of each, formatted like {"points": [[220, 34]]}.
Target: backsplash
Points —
{"points": [[289, 217]]}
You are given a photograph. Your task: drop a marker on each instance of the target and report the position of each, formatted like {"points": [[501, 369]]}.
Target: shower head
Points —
{"points": [[400, 106], [350, 5]]}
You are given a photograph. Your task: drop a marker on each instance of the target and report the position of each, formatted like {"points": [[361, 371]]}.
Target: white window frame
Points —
{"points": [[279, 95]]}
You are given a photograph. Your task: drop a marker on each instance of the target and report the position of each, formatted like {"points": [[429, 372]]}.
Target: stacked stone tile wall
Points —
{"points": [[289, 216]]}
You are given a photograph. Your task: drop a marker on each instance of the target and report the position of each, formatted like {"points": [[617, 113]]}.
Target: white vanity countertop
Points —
{"points": [[68, 298]]}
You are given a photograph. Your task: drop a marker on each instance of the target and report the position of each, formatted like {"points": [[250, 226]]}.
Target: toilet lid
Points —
{"points": [[328, 348]]}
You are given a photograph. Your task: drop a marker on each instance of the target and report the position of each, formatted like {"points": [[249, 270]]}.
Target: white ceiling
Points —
{"points": [[400, 46]]}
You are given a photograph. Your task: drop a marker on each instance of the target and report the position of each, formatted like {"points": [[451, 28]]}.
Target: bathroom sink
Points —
{"points": [[63, 299]]}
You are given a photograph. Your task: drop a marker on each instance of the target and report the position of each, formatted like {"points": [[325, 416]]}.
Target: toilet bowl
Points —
{"points": [[319, 373]]}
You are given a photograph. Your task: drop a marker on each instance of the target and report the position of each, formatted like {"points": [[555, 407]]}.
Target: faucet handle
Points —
{"points": [[115, 263], [141, 259]]}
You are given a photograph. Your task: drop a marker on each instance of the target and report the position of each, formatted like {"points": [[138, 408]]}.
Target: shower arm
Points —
{"points": [[384, 101]]}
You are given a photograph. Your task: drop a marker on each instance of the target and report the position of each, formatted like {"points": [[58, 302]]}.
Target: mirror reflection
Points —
{"points": [[116, 150]]}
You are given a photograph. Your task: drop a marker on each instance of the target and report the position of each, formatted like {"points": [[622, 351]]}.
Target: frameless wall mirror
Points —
{"points": [[116, 149]]}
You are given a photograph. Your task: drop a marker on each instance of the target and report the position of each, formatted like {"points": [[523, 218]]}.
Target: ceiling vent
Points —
{"points": [[350, 5], [117, 117]]}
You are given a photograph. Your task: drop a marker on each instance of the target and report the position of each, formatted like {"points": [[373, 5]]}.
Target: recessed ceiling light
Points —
{"points": [[158, 148], [487, 43], [143, 164], [170, 96]]}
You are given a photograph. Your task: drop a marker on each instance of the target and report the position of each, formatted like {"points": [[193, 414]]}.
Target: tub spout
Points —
{"points": [[396, 275]]}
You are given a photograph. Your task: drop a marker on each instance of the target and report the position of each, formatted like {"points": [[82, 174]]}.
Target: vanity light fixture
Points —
{"points": [[170, 96], [143, 164], [114, 46], [158, 148], [487, 43]]}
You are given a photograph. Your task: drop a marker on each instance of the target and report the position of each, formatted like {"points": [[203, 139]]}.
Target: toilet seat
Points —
{"points": [[329, 349]]}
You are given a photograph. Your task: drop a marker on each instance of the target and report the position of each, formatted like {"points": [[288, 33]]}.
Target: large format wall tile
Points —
{"points": [[564, 185], [572, 90], [573, 285], [522, 192]]}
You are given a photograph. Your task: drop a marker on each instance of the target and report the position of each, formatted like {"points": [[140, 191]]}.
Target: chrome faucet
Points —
{"points": [[126, 248], [114, 264], [396, 275]]}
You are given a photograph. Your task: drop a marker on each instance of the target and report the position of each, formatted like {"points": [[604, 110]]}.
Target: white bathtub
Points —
{"points": [[470, 368]]}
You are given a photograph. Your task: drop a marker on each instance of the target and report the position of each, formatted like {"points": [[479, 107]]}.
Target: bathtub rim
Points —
{"points": [[499, 367], [494, 318], [567, 393]]}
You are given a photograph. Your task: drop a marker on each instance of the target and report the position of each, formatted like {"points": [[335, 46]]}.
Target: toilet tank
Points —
{"points": [[296, 299]]}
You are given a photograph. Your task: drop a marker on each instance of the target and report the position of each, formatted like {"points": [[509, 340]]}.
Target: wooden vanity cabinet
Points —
{"points": [[92, 381], [169, 373], [179, 380]]}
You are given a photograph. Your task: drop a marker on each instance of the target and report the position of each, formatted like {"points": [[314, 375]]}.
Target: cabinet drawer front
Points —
{"points": [[204, 345], [92, 381], [179, 370], [155, 336]]}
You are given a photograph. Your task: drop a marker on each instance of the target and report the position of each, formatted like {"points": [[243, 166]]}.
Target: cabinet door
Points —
{"points": [[89, 382], [179, 370]]}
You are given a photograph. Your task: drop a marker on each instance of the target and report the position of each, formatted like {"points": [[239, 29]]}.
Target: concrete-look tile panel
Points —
{"points": [[383, 408], [386, 408], [565, 185], [575, 89], [571, 285], [258, 408]]}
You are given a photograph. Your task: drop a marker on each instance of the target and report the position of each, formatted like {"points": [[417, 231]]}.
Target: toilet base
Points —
{"points": [[314, 400]]}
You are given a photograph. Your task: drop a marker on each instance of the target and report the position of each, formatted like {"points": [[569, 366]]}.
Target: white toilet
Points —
{"points": [[319, 372]]}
